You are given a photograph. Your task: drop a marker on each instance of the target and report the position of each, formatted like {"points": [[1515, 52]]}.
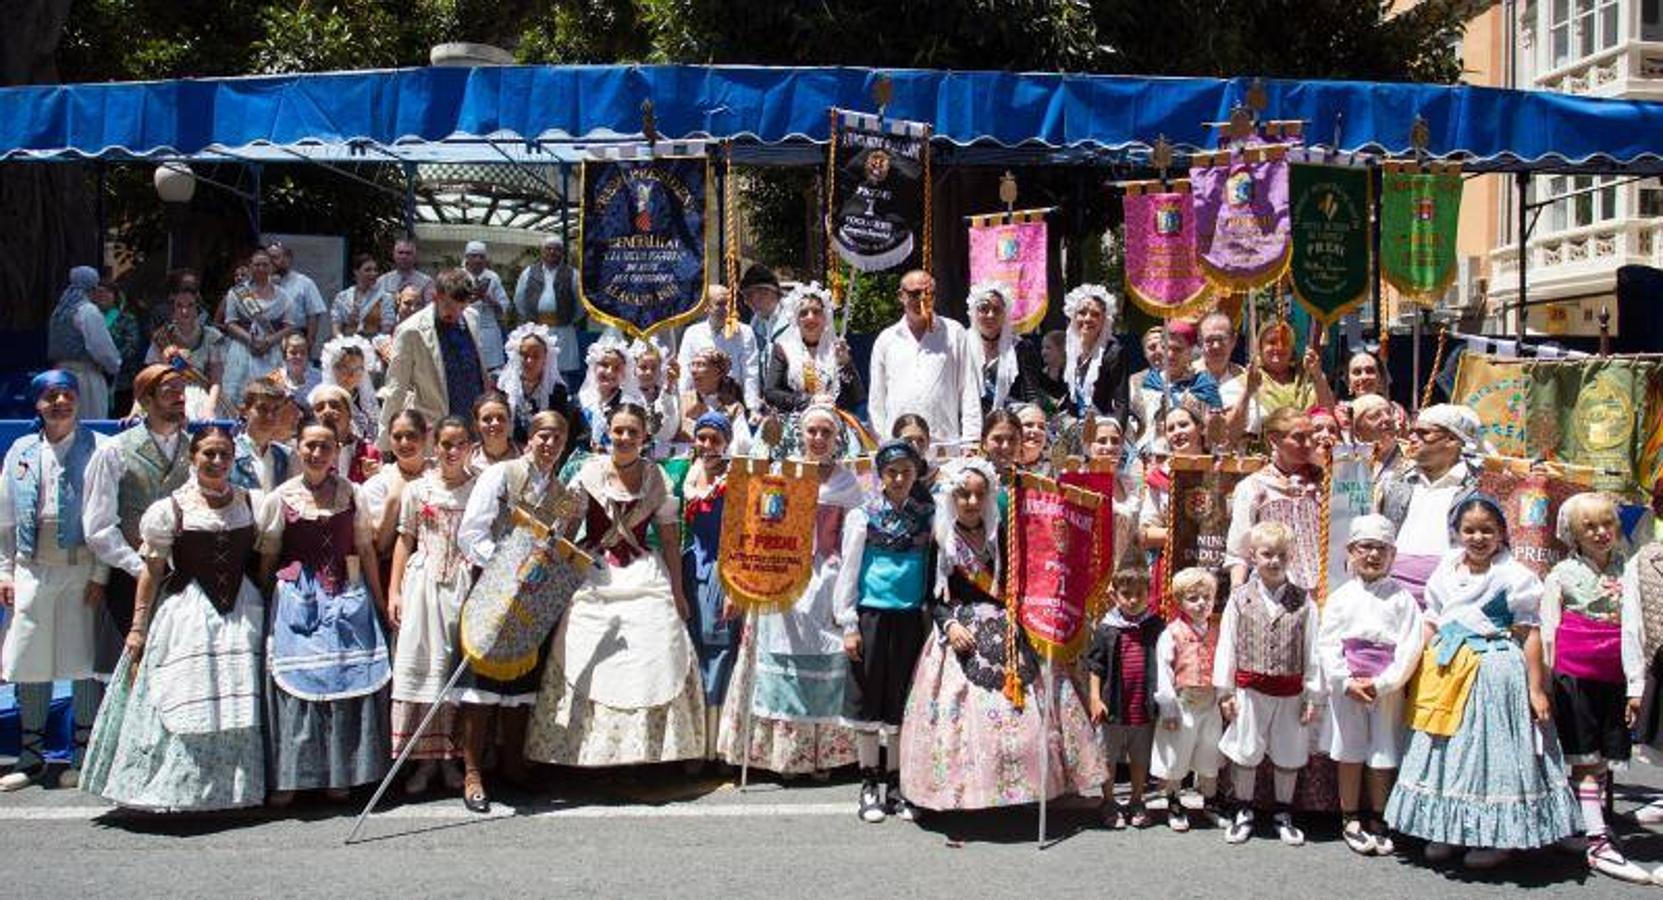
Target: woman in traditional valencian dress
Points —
{"points": [[811, 364], [326, 699], [181, 729], [430, 579], [622, 686], [969, 740], [711, 622], [258, 316], [350, 363], [500, 704], [794, 688]]}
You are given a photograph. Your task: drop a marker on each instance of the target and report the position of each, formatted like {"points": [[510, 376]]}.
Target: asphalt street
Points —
{"points": [[659, 833]]}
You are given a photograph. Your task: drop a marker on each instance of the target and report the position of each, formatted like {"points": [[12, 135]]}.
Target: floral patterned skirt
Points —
{"points": [[781, 743], [965, 746]]}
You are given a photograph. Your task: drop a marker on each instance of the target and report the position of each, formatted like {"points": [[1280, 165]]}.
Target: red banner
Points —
{"points": [[1098, 478], [1054, 563]]}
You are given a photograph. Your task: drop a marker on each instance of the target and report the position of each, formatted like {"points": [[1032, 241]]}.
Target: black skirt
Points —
{"points": [[890, 643], [1589, 716]]}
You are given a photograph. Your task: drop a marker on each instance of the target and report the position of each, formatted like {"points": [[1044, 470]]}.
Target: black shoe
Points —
{"points": [[473, 794], [871, 809]]}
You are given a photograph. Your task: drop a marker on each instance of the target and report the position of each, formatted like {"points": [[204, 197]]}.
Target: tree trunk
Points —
{"points": [[47, 217]]}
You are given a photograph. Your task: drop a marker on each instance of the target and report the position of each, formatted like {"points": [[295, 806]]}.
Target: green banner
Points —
{"points": [[1330, 268], [1589, 413], [1419, 215]]}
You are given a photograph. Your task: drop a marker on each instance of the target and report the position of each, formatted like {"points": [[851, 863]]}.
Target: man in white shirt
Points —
{"points": [[739, 346], [922, 365], [304, 293], [404, 272], [78, 341], [127, 473], [491, 302], [1218, 341], [547, 293], [1418, 502]]}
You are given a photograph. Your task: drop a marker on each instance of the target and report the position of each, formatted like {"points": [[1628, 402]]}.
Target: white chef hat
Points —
{"points": [[1372, 527]]}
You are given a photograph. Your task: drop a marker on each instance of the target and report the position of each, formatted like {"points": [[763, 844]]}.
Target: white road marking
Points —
{"points": [[441, 811]]}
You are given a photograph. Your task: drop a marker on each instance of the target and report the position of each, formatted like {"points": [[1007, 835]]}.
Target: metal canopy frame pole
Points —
{"points": [[1521, 182]]}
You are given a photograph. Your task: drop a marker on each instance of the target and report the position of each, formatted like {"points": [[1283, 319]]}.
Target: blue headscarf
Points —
{"points": [[82, 279], [714, 419], [52, 379], [895, 450]]}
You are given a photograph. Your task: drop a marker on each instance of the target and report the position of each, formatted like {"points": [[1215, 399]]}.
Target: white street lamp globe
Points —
{"points": [[175, 182]]}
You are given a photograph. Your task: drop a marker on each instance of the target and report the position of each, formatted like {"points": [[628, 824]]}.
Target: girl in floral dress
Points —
{"points": [[430, 579], [966, 742]]}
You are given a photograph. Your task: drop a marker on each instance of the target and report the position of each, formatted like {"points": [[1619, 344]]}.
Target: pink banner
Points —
{"points": [[1163, 274], [1013, 253], [1056, 564], [1242, 225]]}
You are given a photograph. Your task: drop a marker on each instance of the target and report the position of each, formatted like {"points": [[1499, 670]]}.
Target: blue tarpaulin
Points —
{"points": [[547, 112]]}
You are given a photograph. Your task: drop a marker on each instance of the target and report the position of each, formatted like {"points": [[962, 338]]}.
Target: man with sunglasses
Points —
{"points": [[922, 365], [1418, 501]]}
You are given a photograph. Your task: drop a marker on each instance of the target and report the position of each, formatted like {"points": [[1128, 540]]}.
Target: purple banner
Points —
{"points": [[1241, 218]]}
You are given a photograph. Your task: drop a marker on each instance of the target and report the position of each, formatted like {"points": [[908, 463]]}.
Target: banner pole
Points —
{"points": [[1048, 675], [409, 747], [750, 698], [1414, 380]]}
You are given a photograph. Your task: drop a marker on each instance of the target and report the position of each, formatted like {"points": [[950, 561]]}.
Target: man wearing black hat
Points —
{"points": [[759, 287]]}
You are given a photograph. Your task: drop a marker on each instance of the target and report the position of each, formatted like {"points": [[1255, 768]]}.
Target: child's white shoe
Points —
{"points": [[1605, 858], [871, 802], [1358, 839], [1241, 827], [1177, 818], [1288, 832]]}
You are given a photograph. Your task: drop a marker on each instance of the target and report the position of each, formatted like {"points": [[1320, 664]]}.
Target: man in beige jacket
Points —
{"points": [[436, 366]]}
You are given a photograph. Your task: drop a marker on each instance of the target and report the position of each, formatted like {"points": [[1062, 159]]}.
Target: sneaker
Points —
{"points": [[1480, 858], [871, 802], [1382, 835], [1650, 814], [1139, 817], [1438, 852], [1114, 815], [1606, 858], [16, 780], [895, 803], [1288, 832], [1359, 840], [1241, 827], [1177, 818]]}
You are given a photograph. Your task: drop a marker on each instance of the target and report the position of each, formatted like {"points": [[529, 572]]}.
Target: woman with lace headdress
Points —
{"points": [[350, 363], [530, 379], [609, 381], [808, 361], [1005, 365], [1095, 370], [812, 364]]}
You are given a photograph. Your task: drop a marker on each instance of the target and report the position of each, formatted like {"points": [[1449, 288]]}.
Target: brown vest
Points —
{"points": [[1270, 639]]}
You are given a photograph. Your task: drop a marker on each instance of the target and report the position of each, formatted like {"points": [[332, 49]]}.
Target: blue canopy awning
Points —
{"points": [[548, 114]]}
